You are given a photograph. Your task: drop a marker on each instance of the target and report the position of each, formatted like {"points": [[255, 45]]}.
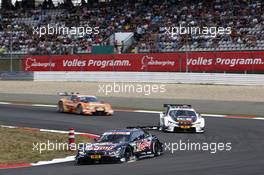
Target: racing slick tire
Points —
{"points": [[201, 132], [156, 148], [128, 155], [79, 109], [60, 107], [161, 128], [78, 163]]}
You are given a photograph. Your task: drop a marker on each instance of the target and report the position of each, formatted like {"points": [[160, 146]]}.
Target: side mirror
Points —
{"points": [[135, 139], [96, 139]]}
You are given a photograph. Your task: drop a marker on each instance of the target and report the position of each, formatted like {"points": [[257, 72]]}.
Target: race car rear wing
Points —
{"points": [[177, 105], [66, 93]]}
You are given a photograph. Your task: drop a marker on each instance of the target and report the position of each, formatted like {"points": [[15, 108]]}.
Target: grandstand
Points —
{"points": [[145, 18]]}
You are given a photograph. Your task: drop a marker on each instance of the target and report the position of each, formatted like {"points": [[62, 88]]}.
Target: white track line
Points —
{"points": [[4, 126], [60, 160], [5, 103], [259, 118], [213, 115], [54, 131], [50, 130], [42, 105], [145, 111]]}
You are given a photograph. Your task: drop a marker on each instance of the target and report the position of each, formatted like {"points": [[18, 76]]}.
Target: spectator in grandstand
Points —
{"points": [[2, 50], [146, 19], [122, 47]]}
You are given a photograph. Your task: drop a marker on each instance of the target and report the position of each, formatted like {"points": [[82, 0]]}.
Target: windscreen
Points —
{"points": [[114, 138], [177, 113], [88, 99]]}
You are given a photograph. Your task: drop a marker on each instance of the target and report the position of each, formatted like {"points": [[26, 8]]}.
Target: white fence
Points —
{"points": [[153, 77]]}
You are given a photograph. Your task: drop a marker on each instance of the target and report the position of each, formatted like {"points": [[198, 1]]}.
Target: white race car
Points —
{"points": [[181, 118]]}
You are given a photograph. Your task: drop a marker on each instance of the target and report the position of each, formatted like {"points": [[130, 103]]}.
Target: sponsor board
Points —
{"points": [[159, 62], [225, 61], [89, 62]]}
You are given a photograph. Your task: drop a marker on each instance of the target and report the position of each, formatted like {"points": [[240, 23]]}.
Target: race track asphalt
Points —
{"points": [[245, 158], [203, 106]]}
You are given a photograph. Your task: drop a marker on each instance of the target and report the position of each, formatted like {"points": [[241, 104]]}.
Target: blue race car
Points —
{"points": [[120, 146]]}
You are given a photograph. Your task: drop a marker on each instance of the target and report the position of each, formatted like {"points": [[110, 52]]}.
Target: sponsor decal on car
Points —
{"points": [[99, 147], [143, 145]]}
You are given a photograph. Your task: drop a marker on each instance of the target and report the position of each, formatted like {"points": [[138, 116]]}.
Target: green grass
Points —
{"points": [[16, 145]]}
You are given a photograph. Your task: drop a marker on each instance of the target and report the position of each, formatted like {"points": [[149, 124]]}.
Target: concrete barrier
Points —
{"points": [[16, 75], [153, 77]]}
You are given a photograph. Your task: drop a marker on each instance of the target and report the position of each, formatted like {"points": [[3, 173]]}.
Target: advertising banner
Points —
{"points": [[156, 62]]}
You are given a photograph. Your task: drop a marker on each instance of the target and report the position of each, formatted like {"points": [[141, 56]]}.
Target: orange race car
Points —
{"points": [[83, 104]]}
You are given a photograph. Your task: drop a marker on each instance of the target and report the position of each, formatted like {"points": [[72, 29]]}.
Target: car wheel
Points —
{"points": [[202, 131], [128, 155], [161, 128], [156, 148], [60, 107], [79, 109], [78, 163]]}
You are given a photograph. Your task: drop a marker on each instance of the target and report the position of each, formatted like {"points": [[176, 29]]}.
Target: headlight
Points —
{"points": [[194, 118], [90, 107], [115, 152]]}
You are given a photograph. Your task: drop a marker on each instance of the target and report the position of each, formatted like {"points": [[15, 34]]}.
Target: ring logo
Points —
{"points": [[150, 61], [145, 61], [31, 62]]}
